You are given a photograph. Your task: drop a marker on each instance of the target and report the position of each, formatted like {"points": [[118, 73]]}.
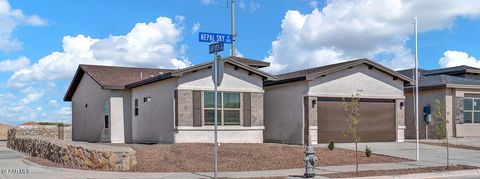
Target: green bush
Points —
{"points": [[368, 151], [331, 145]]}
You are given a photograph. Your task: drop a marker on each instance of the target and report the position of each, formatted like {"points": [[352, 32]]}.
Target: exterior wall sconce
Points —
{"points": [[314, 102], [401, 105]]}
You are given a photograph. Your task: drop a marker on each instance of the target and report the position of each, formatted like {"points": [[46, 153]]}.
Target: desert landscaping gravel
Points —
{"points": [[234, 157], [240, 157]]}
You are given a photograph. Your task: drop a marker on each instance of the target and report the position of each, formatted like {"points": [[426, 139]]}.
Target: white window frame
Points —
{"points": [[222, 109], [472, 111]]}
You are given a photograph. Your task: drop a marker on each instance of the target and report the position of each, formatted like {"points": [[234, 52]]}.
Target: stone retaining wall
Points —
{"points": [[74, 154], [51, 131]]}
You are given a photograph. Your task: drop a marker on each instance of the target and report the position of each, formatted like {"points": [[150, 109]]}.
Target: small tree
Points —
{"points": [[441, 129], [352, 110]]}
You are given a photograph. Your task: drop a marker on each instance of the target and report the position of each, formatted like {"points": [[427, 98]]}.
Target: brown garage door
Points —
{"points": [[377, 121]]}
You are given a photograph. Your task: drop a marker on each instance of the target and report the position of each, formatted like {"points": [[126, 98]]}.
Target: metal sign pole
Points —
{"points": [[215, 63], [416, 91]]}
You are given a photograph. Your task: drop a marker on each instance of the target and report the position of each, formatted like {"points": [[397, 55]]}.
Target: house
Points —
{"points": [[457, 89], [144, 105], [308, 103]]}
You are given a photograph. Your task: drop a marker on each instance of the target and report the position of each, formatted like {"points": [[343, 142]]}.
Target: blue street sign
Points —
{"points": [[215, 47], [214, 37]]}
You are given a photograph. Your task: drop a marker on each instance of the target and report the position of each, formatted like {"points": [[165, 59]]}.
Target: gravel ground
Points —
{"points": [[397, 172], [233, 157], [240, 157]]}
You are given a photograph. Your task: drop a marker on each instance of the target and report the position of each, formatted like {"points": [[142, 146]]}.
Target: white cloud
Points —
{"points": [[153, 44], [252, 5], [313, 3], [208, 2], [453, 58], [31, 94], [345, 30], [53, 103], [11, 18], [195, 27], [13, 65]]}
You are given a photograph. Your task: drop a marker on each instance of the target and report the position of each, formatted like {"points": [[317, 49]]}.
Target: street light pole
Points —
{"points": [[416, 90]]}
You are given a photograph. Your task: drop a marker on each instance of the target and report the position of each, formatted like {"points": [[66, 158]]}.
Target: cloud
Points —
{"points": [[345, 30], [11, 18], [13, 65], [453, 58], [53, 103], [195, 27], [252, 6], [208, 2], [313, 3], [153, 44]]}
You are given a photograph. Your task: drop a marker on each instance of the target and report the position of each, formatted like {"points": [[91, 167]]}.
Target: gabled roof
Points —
{"points": [[444, 81], [111, 77], [231, 60], [250, 62], [457, 70], [312, 73]]}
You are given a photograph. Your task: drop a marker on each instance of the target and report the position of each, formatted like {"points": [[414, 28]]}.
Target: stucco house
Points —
{"points": [[124, 104], [307, 103], [457, 89]]}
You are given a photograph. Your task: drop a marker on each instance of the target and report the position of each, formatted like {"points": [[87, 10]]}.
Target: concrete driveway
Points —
{"points": [[428, 153]]}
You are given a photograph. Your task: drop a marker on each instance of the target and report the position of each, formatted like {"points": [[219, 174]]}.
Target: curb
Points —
{"points": [[473, 172]]}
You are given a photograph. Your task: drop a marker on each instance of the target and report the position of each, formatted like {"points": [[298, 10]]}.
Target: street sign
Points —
{"points": [[215, 47], [214, 37], [217, 66]]}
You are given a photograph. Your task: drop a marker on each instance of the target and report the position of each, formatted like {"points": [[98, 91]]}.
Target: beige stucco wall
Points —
{"points": [[233, 80], [426, 97], [286, 126], [284, 112], [357, 80], [88, 121], [155, 121]]}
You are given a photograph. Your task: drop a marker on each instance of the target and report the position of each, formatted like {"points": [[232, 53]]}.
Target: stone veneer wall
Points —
{"points": [[74, 154], [50, 131]]}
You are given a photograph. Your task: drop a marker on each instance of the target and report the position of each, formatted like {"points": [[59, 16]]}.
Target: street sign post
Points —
{"points": [[217, 76], [214, 37]]}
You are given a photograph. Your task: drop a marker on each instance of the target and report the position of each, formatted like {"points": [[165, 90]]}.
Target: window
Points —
{"points": [[147, 99], [228, 104], [106, 112], [471, 110], [136, 107]]}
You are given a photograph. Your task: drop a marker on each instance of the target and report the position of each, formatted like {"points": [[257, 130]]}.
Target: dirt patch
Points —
{"points": [[398, 172], [452, 145], [239, 157]]}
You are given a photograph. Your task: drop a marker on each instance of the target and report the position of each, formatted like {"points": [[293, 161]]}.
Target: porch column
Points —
{"points": [[117, 133], [311, 124], [400, 119]]}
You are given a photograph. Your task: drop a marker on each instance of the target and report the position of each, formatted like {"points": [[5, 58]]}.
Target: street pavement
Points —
{"points": [[14, 165]]}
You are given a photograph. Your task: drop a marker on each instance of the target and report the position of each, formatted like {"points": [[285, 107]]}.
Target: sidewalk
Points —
{"points": [[10, 159]]}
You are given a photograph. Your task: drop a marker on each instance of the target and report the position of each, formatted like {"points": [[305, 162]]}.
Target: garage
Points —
{"points": [[377, 121]]}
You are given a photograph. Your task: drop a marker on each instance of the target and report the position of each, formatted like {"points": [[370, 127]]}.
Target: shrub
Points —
{"points": [[331, 145], [368, 151]]}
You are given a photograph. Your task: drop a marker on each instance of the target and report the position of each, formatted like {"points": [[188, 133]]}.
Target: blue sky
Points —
{"points": [[42, 42]]}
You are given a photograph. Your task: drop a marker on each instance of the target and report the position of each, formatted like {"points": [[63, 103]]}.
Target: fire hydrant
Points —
{"points": [[310, 160]]}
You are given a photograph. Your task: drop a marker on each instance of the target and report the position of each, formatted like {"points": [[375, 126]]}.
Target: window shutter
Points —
{"points": [[247, 109], [197, 108], [459, 119]]}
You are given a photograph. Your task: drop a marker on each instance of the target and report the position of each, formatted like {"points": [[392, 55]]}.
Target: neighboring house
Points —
{"points": [[308, 103], [458, 89], [123, 104]]}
